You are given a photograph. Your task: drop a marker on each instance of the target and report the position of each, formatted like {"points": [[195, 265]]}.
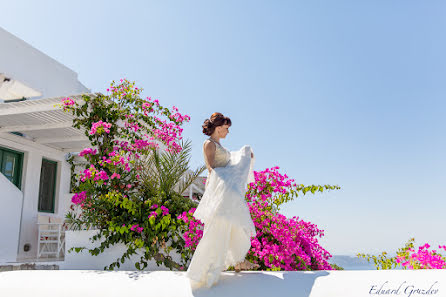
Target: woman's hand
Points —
{"points": [[252, 155]]}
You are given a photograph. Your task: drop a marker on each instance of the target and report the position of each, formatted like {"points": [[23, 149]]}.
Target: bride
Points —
{"points": [[228, 226]]}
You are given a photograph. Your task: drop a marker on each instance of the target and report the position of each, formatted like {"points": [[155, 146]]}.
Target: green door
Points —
{"points": [[47, 188], [11, 165]]}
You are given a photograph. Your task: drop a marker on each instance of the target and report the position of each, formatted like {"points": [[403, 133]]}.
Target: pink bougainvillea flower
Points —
{"points": [[115, 175], [137, 228], [100, 127], [78, 198], [67, 101], [153, 214], [88, 151], [422, 259], [164, 210]]}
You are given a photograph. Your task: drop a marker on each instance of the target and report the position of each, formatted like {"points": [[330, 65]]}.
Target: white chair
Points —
{"points": [[51, 236], [63, 227]]}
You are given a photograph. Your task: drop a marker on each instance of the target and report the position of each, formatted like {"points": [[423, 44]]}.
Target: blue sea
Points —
{"points": [[351, 262]]}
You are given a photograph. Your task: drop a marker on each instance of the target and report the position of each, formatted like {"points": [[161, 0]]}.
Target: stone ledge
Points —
{"points": [[86, 283], [28, 266]]}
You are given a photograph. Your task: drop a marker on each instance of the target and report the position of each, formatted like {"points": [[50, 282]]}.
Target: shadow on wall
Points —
{"points": [[175, 283], [263, 283]]}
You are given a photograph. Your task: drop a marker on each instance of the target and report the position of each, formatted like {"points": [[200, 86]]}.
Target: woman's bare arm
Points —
{"points": [[209, 154]]}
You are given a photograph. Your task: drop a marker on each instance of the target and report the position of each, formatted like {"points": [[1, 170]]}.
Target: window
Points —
{"points": [[47, 189], [11, 165]]}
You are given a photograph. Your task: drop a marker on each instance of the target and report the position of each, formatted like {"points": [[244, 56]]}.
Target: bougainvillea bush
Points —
{"points": [[131, 191], [423, 258], [281, 243], [112, 192], [409, 258]]}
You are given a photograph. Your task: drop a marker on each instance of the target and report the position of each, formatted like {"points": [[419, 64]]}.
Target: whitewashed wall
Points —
{"points": [[32, 162], [24, 63], [85, 261], [11, 206], [377, 283]]}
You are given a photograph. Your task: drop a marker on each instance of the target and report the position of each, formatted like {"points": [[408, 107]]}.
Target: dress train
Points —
{"points": [[228, 226]]}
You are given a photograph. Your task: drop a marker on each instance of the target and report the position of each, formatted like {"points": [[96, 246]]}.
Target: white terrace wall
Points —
{"points": [[377, 283], [85, 261], [11, 200], [33, 154]]}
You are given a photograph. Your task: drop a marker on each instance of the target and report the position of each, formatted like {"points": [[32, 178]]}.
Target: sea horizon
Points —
{"points": [[351, 262]]}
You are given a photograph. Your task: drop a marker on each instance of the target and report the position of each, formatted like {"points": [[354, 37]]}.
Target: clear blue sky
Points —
{"points": [[334, 92]]}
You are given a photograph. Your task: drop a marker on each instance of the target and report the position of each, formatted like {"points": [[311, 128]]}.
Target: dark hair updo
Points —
{"points": [[217, 119]]}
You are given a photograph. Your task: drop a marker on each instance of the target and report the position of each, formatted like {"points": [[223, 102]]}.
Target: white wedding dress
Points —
{"points": [[228, 226]]}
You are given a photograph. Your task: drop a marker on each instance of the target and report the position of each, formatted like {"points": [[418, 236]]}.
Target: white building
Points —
{"points": [[35, 136], [27, 72]]}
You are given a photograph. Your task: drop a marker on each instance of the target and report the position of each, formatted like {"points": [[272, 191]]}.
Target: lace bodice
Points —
{"points": [[222, 155]]}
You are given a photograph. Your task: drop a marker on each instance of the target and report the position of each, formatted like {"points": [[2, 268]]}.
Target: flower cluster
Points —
{"points": [[88, 151], [169, 133], [194, 232], [115, 175], [422, 259], [100, 127], [94, 174], [178, 117], [281, 242], [152, 214], [137, 228], [144, 110], [67, 102], [288, 244], [78, 198], [268, 183], [164, 210]]}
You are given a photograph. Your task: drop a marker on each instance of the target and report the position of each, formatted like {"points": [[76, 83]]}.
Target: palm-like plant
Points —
{"points": [[168, 173]]}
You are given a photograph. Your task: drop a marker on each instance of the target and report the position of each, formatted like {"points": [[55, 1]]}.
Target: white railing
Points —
{"points": [[191, 190]]}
